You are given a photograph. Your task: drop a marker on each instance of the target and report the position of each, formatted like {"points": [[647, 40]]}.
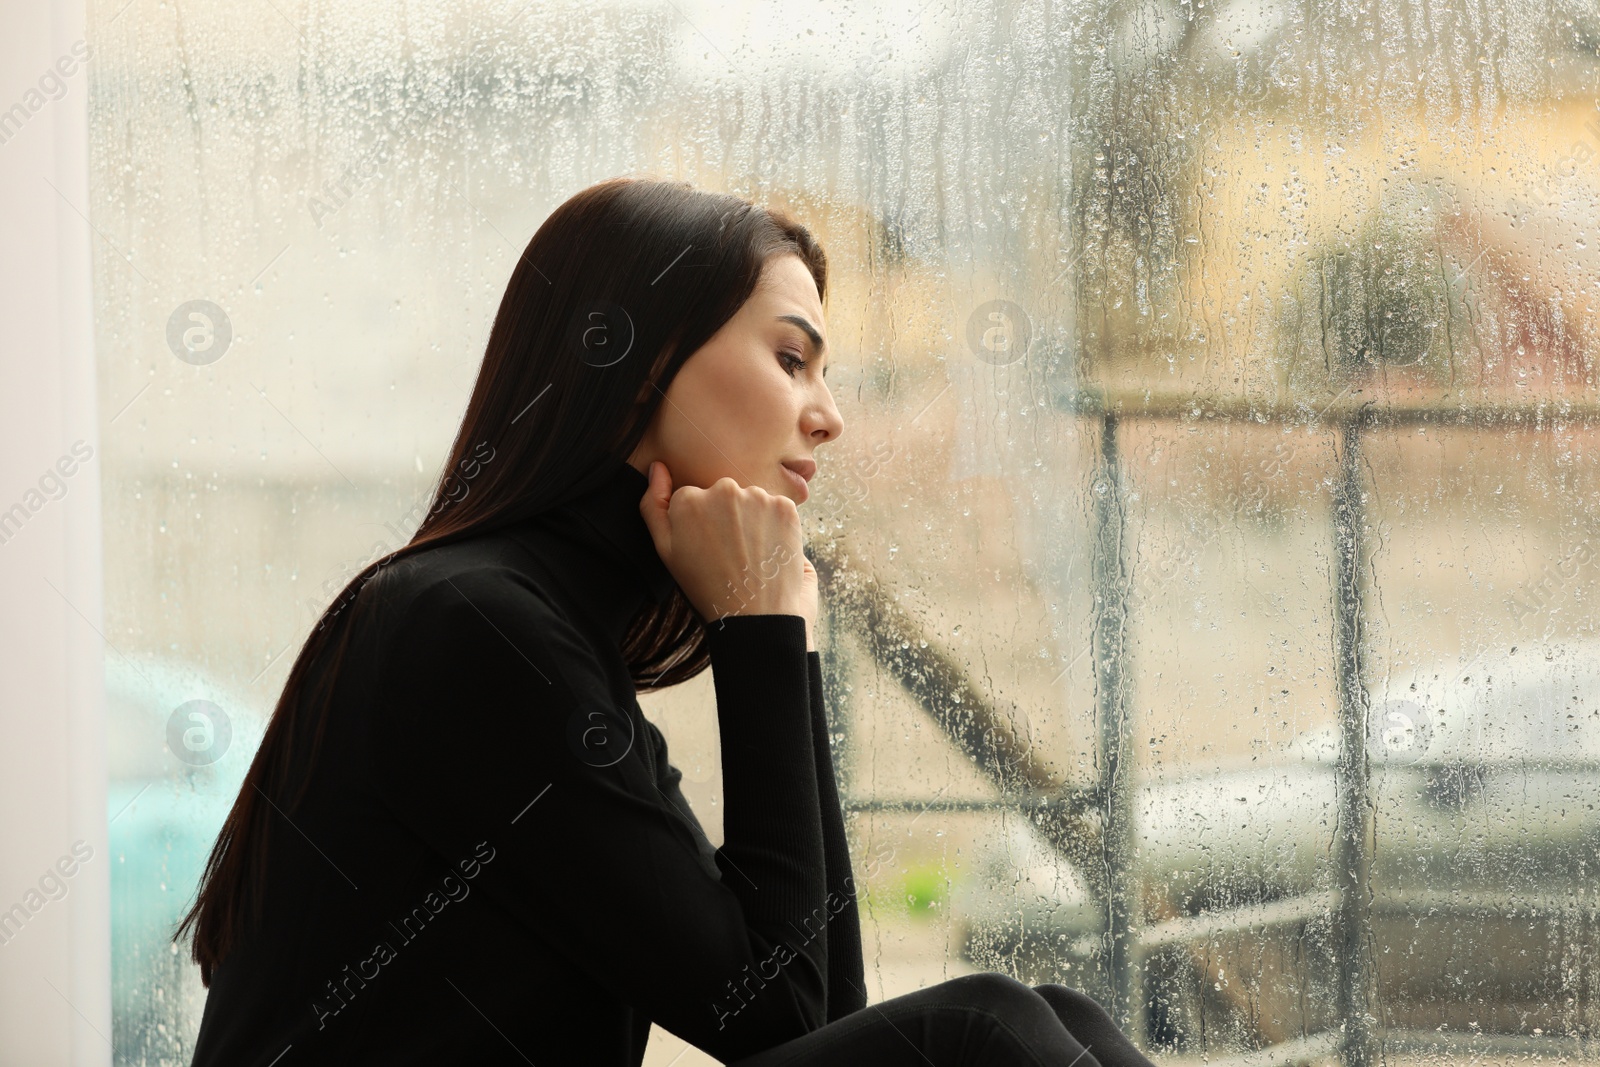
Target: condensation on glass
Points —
{"points": [[1210, 550]]}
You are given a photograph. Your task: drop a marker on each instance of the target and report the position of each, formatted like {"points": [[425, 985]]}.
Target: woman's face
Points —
{"points": [[742, 406]]}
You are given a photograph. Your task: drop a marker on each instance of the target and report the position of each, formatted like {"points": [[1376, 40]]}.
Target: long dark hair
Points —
{"points": [[620, 285]]}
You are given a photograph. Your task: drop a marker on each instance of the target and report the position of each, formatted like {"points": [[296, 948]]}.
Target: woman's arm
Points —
{"points": [[846, 979], [488, 692], [670, 781], [847, 990]]}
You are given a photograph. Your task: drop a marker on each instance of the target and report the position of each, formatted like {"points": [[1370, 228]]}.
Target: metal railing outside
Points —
{"points": [[1099, 849]]}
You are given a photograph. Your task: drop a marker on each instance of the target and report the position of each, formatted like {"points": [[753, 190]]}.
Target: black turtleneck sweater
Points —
{"points": [[493, 862]]}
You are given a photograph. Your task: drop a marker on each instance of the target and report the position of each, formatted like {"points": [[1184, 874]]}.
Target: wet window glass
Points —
{"points": [[1209, 557]]}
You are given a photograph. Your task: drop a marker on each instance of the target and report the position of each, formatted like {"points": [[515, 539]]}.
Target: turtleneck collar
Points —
{"points": [[607, 561]]}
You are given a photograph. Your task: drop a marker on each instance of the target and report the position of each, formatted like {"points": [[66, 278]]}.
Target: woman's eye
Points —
{"points": [[791, 361]]}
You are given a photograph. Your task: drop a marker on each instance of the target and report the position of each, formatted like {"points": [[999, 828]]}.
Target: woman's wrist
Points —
{"points": [[811, 641]]}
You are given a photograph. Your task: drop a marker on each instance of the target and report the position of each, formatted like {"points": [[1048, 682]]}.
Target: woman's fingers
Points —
{"points": [[653, 506], [732, 549]]}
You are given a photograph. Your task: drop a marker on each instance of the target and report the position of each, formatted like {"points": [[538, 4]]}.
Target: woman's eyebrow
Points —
{"points": [[817, 343]]}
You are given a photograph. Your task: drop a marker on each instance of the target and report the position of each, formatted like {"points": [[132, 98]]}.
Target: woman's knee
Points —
{"points": [[1001, 996], [990, 988], [1028, 1021], [1086, 1020], [1071, 1002]]}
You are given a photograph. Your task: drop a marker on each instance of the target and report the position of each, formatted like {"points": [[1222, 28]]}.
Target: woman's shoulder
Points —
{"points": [[480, 580]]}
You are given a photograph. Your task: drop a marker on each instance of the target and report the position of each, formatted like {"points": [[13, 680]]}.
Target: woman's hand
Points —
{"points": [[734, 550]]}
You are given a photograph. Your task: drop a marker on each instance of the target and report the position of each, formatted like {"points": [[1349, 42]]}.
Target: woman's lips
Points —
{"points": [[799, 483]]}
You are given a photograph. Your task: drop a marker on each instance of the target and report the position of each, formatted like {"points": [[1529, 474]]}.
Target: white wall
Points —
{"points": [[55, 995]]}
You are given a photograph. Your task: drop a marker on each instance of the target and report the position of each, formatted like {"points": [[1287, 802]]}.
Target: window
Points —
{"points": [[1210, 551]]}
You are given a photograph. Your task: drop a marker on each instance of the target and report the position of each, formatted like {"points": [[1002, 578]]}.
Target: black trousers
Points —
{"points": [[977, 1020]]}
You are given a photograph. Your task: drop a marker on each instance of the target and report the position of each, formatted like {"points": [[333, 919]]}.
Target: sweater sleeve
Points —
{"points": [[847, 989], [846, 977], [485, 738], [669, 780]]}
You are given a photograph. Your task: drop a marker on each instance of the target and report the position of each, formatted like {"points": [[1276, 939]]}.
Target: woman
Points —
{"points": [[460, 840]]}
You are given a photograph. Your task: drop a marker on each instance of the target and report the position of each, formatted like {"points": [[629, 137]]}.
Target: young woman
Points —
{"points": [[460, 840]]}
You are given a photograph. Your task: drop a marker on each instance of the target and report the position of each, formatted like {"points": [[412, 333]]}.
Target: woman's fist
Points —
{"points": [[734, 550]]}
